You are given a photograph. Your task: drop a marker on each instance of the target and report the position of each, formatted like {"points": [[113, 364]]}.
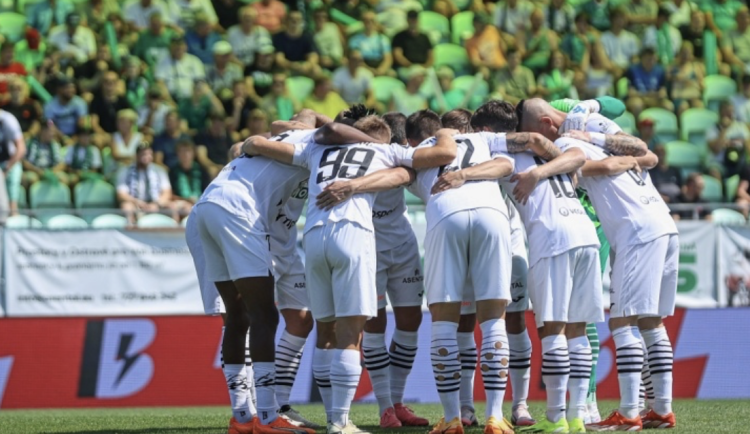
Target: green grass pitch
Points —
{"points": [[693, 417]]}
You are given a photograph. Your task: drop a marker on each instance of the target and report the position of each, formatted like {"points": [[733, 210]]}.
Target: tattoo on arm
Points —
{"points": [[520, 142], [517, 142], [624, 144]]}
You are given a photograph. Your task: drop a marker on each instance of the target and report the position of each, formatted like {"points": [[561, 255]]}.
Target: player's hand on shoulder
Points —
{"points": [[236, 150], [576, 119], [248, 145], [448, 180], [334, 194], [525, 183]]}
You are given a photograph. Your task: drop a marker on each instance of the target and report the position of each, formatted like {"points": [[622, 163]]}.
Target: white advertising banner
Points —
{"points": [[103, 272], [733, 278], [696, 284]]}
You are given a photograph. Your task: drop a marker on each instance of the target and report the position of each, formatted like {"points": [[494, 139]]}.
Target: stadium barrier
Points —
{"points": [[175, 361]]}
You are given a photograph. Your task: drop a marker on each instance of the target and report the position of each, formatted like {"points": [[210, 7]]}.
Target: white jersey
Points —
{"points": [[472, 149], [628, 205], [597, 123], [390, 218], [553, 216], [328, 164]]}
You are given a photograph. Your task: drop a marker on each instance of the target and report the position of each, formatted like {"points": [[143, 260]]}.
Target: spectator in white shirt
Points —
{"points": [[513, 16], [179, 70], [73, 40], [247, 38], [620, 45], [138, 12], [353, 81], [184, 12], [143, 186]]}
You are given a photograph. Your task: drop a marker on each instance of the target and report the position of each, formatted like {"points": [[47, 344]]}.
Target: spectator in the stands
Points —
{"points": [[324, 99], [222, 74], [621, 46], [278, 103], [76, 42], [743, 191], [82, 159], [27, 111], [179, 70], [328, 40], [247, 37], [153, 42], [641, 13], [107, 103], [213, 145], [259, 75], [66, 108], [44, 159], [598, 79], [645, 131], [538, 43], [557, 81], [720, 15], [443, 98], [695, 32], [663, 37], [140, 13], [599, 13], [13, 147], [127, 137], [201, 39], [578, 44], [354, 81], [691, 194], [411, 46], [152, 115], [256, 124], [136, 83], [89, 74], [270, 14], [686, 77], [352, 8], [486, 47], [195, 110], [374, 46], [647, 84], [680, 11], [515, 82], [512, 17], [729, 141], [736, 43], [227, 11], [741, 100], [295, 48], [239, 106], [667, 179], [31, 50], [143, 187], [9, 70], [409, 100], [559, 16], [165, 153], [184, 12], [47, 14], [187, 178]]}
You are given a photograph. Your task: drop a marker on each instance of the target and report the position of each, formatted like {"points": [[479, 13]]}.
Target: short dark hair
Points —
{"points": [[374, 127], [412, 14], [498, 116], [663, 13], [185, 142], [397, 122], [459, 119], [648, 51], [144, 146], [422, 125]]}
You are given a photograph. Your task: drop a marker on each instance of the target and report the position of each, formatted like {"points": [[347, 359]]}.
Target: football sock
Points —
{"points": [[345, 373], [579, 350], [265, 374], [377, 362], [322, 375], [555, 373], [238, 392], [288, 358], [249, 372], [660, 359], [629, 353], [403, 352], [520, 366], [593, 336], [446, 366], [494, 365], [467, 348], [646, 390]]}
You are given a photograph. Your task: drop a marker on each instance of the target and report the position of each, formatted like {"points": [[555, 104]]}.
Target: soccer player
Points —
{"points": [[339, 244]]}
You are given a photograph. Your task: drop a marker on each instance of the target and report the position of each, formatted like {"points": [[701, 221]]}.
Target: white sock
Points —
{"points": [[377, 362], [345, 373], [288, 358], [660, 359], [520, 367], [403, 352], [579, 350], [494, 365], [238, 394], [629, 354], [250, 372], [555, 373], [467, 348], [646, 391], [265, 374], [322, 374], [446, 366]]}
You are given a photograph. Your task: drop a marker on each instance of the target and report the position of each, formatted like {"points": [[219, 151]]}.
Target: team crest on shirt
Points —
{"points": [[301, 191]]}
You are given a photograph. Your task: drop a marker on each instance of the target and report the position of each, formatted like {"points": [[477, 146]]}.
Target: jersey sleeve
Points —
{"points": [[401, 156], [301, 155], [565, 143], [496, 142], [599, 124]]}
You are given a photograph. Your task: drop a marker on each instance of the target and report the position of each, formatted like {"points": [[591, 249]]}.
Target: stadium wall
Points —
{"points": [[174, 361]]}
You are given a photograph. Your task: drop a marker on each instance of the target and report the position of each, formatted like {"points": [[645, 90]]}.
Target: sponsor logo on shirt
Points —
{"points": [[647, 200], [568, 211], [382, 214]]}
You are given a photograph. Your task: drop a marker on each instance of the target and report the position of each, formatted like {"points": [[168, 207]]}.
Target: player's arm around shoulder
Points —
{"points": [[534, 142], [279, 151], [619, 143], [569, 161], [335, 134], [494, 169], [442, 153], [381, 180]]}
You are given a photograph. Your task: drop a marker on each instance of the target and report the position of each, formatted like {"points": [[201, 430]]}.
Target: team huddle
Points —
{"points": [[493, 182]]}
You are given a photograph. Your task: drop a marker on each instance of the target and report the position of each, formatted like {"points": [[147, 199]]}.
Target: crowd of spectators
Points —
{"points": [[150, 94]]}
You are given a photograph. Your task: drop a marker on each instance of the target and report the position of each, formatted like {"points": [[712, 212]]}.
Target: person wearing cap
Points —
{"points": [[66, 109], [153, 41], [247, 37], [222, 74], [324, 99], [73, 40], [140, 12], [30, 51], [44, 159], [295, 48], [82, 159], [647, 134], [409, 100], [354, 81], [9, 70], [45, 15], [107, 103], [201, 39], [126, 139], [411, 46], [486, 47], [179, 70], [143, 187]]}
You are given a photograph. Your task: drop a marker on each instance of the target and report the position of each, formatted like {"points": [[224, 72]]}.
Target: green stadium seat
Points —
{"points": [[436, 26], [717, 88], [44, 194], [95, 194], [109, 221], [712, 190], [300, 87], [22, 222], [621, 88], [384, 87], [731, 185], [412, 199], [23, 6], [694, 123], [462, 24], [66, 221], [727, 216], [454, 56], [156, 221], [12, 25], [683, 155], [467, 83], [665, 122], [626, 122]]}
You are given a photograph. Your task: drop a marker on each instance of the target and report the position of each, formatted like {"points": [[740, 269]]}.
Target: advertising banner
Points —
{"points": [[733, 278], [696, 284], [175, 361]]}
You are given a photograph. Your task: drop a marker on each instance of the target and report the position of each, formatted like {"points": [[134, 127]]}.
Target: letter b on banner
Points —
{"points": [[115, 364]]}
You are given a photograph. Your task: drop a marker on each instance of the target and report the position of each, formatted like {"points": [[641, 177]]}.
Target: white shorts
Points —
{"points": [[291, 290], [644, 278], [467, 243], [567, 287], [400, 276], [212, 303], [340, 264], [232, 251]]}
